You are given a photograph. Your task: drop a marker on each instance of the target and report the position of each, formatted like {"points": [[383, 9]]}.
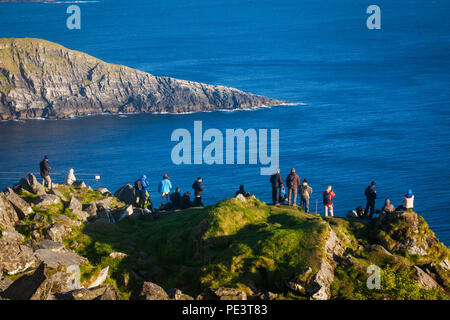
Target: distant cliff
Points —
{"points": [[39, 78]]}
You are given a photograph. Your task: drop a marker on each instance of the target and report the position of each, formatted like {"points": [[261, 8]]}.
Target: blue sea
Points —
{"points": [[367, 104]]}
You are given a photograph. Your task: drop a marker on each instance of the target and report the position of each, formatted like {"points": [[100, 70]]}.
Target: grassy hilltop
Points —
{"points": [[254, 248]]}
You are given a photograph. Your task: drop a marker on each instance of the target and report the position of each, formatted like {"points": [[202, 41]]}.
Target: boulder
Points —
{"points": [[91, 209], [126, 194], [63, 219], [445, 264], [8, 216], [117, 255], [55, 259], [15, 258], [79, 184], [50, 245], [30, 184], [21, 206], [151, 291], [101, 278], [58, 194], [127, 212], [11, 236], [176, 294], [98, 293], [81, 215], [47, 200], [213, 293], [240, 197], [425, 281], [75, 204], [57, 232], [30, 287], [105, 215]]}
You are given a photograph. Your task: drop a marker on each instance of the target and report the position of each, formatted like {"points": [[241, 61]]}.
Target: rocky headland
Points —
{"points": [[76, 243], [41, 79]]}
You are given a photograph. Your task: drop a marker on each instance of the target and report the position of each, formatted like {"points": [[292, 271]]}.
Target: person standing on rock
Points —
{"points": [[198, 191], [305, 193], [276, 182], [292, 182], [371, 196], [45, 173], [164, 188], [328, 196]]}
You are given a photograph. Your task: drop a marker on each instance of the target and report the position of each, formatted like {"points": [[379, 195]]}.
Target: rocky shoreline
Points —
{"points": [[41, 79], [61, 244]]}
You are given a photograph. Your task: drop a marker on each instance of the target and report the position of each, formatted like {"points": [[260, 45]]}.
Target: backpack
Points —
{"points": [[326, 198], [138, 185]]}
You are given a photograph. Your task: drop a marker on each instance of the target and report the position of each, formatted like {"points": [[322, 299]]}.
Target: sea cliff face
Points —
{"points": [[41, 79]]}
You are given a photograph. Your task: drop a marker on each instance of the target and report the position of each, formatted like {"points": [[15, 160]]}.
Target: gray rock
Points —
{"points": [[117, 255], [126, 194], [62, 219], [8, 216], [127, 212], [79, 184], [100, 279], [241, 197], [11, 236], [58, 194], [57, 232], [15, 258], [21, 206], [176, 294], [50, 245], [91, 209], [425, 281], [81, 215], [55, 259], [47, 200], [214, 293], [30, 287], [445, 264], [98, 293], [75, 204], [151, 291], [268, 296], [4, 284], [34, 186]]}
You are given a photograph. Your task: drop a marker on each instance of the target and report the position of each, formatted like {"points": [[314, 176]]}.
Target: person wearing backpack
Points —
{"points": [[175, 198], [371, 196], [292, 182], [328, 196], [45, 173], [276, 182], [164, 188], [305, 193], [141, 186]]}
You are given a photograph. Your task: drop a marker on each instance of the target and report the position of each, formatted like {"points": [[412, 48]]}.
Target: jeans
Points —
{"points": [[331, 211], [275, 195], [292, 191], [370, 205], [304, 203], [198, 202]]}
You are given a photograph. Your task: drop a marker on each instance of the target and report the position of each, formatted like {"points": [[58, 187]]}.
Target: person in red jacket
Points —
{"points": [[328, 201]]}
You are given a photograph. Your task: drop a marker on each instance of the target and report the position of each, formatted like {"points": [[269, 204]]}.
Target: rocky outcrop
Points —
{"points": [[21, 206], [127, 194], [213, 293], [98, 293], [30, 184], [39, 78], [15, 258], [151, 291]]}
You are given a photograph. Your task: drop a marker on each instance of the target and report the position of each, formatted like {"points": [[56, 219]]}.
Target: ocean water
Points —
{"points": [[376, 102]]}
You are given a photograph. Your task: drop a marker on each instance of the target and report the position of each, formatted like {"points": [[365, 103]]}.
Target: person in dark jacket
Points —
{"points": [[292, 183], [175, 198], [276, 182], [371, 196], [186, 200], [45, 173], [242, 191], [198, 191]]}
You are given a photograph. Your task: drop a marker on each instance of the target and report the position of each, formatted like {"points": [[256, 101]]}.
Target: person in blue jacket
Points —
{"points": [[142, 185], [164, 188]]}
